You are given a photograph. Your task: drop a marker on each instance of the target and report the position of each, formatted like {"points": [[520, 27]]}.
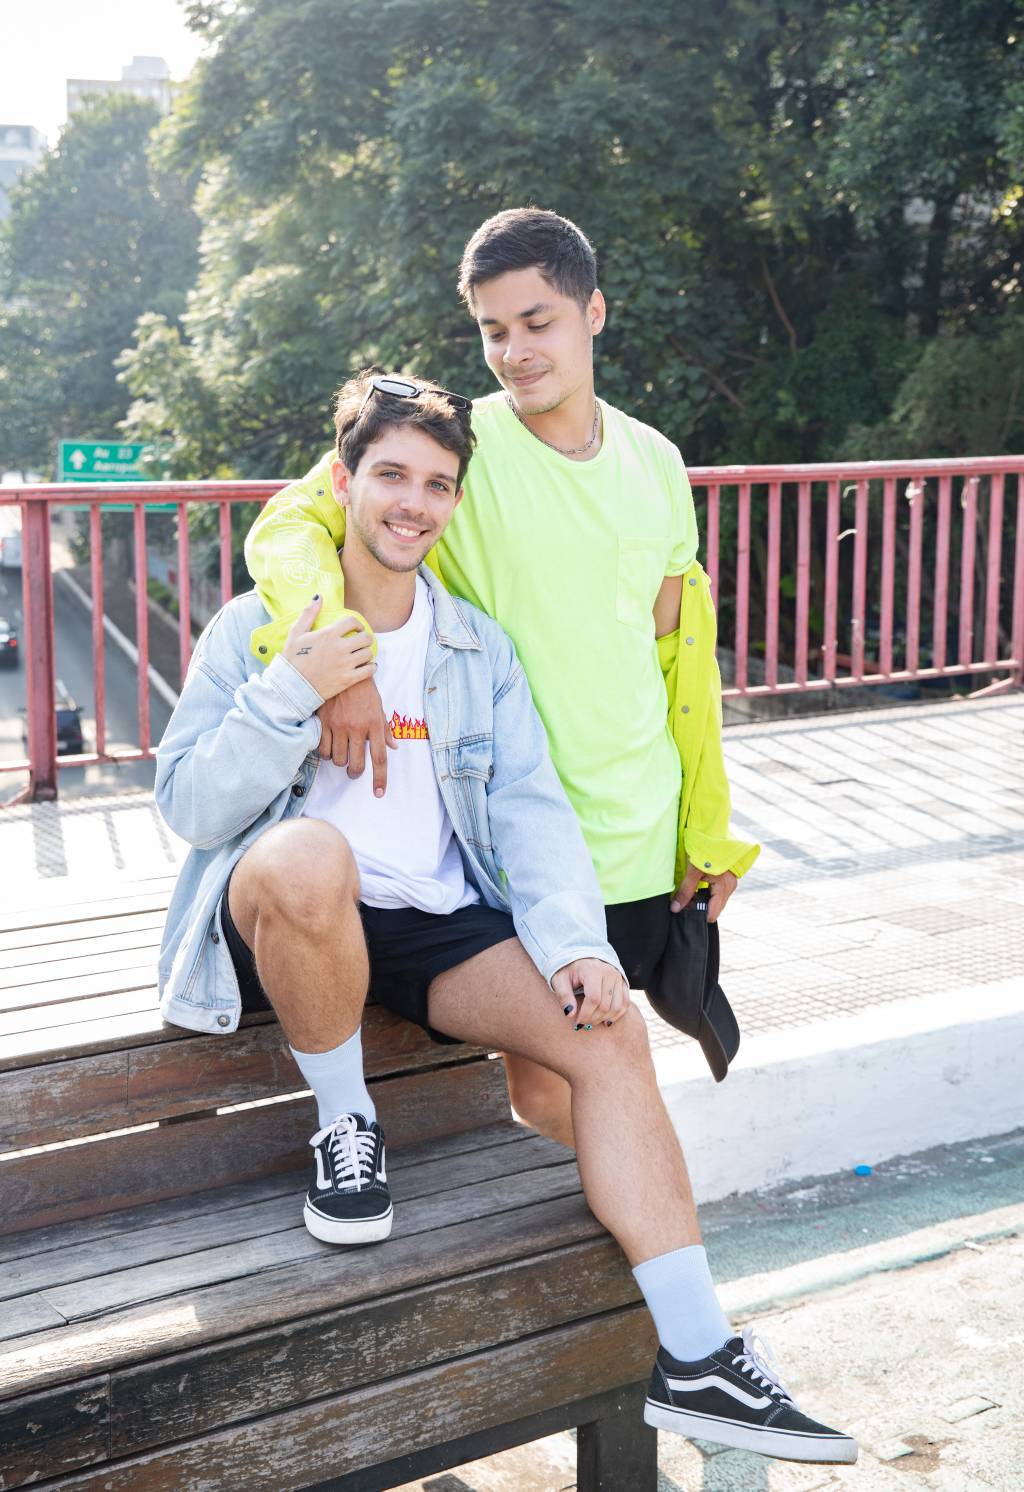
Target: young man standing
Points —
{"points": [[579, 536], [464, 897]]}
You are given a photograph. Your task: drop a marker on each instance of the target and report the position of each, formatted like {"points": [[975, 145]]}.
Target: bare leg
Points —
{"points": [[540, 1098], [294, 898], [630, 1161]]}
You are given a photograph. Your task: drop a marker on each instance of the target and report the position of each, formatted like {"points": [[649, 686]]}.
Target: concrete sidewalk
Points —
{"points": [[895, 1307]]}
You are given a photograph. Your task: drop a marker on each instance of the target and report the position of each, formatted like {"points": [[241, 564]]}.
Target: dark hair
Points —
{"points": [[530, 238], [430, 412]]}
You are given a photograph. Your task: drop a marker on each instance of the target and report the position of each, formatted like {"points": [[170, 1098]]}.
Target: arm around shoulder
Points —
{"points": [[291, 552]]}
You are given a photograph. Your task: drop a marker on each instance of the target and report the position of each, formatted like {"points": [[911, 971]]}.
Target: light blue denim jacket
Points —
{"points": [[240, 753]]}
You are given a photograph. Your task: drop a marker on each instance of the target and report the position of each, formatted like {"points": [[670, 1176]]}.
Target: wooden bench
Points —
{"points": [[166, 1321]]}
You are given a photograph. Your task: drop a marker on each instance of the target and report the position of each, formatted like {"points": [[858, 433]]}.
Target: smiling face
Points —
{"points": [[539, 343], [400, 497]]}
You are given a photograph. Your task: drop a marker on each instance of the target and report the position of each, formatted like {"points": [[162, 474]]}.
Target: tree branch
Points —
{"points": [[780, 310], [716, 382]]}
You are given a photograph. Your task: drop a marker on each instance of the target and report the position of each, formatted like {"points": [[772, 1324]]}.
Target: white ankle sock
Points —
{"points": [[680, 1295], [336, 1078]]}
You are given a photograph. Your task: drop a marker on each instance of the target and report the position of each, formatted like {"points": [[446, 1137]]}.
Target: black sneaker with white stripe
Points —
{"points": [[348, 1199], [736, 1398]]}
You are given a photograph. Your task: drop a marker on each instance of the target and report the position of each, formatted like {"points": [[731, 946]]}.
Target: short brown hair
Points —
{"points": [[530, 238], [430, 412]]}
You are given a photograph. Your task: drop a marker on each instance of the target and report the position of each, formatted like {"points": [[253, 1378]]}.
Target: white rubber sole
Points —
{"points": [[783, 1445], [365, 1230]]}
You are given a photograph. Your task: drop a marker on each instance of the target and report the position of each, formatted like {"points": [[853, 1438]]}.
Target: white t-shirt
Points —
{"points": [[404, 843]]}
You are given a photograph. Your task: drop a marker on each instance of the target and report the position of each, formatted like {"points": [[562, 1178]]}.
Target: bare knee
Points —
{"points": [[542, 1099], [624, 1046], [300, 872]]}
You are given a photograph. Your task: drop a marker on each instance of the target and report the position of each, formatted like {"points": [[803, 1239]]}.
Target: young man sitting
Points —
{"points": [[464, 898]]}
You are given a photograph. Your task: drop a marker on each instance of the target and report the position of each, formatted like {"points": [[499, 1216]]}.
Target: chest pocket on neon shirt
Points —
{"points": [[642, 564]]}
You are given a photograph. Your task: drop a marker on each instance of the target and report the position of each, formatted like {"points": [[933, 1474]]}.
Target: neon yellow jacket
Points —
{"points": [[292, 553]]}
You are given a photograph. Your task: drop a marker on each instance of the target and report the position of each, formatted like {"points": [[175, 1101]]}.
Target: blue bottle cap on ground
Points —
{"points": [[862, 1170]]}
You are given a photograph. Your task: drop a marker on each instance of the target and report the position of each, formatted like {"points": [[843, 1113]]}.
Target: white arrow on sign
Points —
{"points": [[77, 459]]}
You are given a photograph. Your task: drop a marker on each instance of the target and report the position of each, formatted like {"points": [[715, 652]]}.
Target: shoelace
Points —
{"points": [[351, 1151], [757, 1360]]}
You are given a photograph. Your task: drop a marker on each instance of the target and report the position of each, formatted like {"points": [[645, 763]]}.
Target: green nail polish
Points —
{"points": [[588, 1028]]}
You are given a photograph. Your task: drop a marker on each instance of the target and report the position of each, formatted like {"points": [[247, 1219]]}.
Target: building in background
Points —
{"points": [[21, 148], [143, 77]]}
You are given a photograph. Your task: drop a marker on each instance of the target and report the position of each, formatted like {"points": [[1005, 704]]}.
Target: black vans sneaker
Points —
{"points": [[736, 1398], [348, 1199]]}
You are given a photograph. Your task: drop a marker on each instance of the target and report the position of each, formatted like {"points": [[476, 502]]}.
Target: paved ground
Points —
{"points": [[893, 859], [895, 1307]]}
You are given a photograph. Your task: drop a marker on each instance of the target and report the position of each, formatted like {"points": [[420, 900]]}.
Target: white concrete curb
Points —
{"points": [[817, 1099], [157, 681]]}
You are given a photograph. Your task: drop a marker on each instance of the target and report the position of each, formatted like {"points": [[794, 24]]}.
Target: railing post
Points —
{"points": [[40, 662]]}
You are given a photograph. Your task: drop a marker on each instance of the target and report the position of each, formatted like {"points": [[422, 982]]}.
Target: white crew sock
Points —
{"points": [[680, 1295], [336, 1078]]}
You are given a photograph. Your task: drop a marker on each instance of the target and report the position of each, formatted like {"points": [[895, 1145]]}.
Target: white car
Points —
{"points": [[10, 551]]}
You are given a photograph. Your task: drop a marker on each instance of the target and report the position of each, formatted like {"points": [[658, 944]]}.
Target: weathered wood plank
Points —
{"points": [[336, 1435], [170, 1239], [85, 1031], [196, 1154], [47, 959], [55, 1018], [331, 1279], [77, 937], [63, 1100], [291, 1242], [62, 913], [411, 1468], [115, 1227], [28, 1314], [187, 1395], [618, 1450], [61, 983], [71, 1098], [45, 1435]]}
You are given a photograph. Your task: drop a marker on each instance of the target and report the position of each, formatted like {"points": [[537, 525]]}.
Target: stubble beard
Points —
{"points": [[370, 542]]}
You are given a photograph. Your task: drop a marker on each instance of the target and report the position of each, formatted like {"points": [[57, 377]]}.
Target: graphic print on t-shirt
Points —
{"points": [[404, 844], [403, 728]]}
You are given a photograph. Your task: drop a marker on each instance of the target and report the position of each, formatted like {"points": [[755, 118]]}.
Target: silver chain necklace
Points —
{"points": [[575, 450]]}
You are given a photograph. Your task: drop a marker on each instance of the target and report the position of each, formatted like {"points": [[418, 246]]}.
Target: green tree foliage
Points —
{"points": [[790, 204], [98, 235]]}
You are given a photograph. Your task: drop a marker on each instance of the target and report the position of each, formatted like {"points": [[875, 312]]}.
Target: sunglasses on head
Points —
{"points": [[402, 388]]}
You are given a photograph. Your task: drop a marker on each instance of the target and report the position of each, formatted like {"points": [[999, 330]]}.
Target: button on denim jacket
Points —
{"points": [[240, 753]]}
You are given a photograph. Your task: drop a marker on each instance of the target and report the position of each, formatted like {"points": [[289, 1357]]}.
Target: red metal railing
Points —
{"points": [[867, 596], [851, 586], [39, 650]]}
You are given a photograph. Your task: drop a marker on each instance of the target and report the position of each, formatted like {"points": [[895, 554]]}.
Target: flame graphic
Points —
{"points": [[405, 728]]}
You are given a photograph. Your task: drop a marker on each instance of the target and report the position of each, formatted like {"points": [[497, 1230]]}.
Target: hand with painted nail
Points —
{"points": [[333, 658], [591, 992]]}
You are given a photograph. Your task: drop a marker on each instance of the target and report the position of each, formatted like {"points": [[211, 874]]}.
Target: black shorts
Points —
{"points": [[408, 949], [638, 931]]}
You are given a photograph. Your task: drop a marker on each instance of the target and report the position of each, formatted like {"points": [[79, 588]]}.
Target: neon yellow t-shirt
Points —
{"points": [[569, 556]]}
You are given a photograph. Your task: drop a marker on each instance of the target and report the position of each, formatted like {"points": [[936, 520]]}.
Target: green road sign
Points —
{"points": [[105, 461], [99, 461]]}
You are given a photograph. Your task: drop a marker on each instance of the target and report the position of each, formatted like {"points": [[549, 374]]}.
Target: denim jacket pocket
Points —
{"points": [[471, 767], [642, 564]]}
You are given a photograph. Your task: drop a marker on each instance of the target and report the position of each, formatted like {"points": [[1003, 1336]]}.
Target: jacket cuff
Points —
{"points": [[297, 692], [717, 855]]}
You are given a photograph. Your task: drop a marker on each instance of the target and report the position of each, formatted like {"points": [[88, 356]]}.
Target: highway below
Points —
{"points": [[74, 672]]}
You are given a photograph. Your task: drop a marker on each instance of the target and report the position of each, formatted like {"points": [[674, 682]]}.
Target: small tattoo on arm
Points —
{"points": [[302, 652]]}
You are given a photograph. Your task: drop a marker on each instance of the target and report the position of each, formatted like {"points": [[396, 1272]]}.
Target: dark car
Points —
{"points": [[10, 652], [69, 725]]}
